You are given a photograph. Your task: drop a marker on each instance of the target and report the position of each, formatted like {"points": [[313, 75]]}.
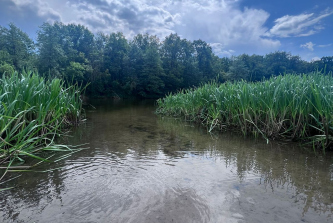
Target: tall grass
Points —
{"points": [[33, 111], [297, 107]]}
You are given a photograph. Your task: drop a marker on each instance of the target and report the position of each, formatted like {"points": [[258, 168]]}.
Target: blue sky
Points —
{"points": [[231, 27]]}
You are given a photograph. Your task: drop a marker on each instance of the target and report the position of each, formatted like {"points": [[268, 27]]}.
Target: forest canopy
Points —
{"points": [[143, 66]]}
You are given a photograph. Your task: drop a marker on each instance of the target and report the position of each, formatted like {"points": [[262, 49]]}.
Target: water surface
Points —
{"points": [[143, 168]]}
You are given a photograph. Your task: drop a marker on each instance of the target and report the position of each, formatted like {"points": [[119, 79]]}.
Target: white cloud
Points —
{"points": [[216, 21], [327, 45], [129, 17], [41, 7], [229, 29], [224, 23], [220, 50], [299, 25], [308, 45], [315, 59]]}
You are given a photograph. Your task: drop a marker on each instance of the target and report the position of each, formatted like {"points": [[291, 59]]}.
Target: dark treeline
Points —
{"points": [[143, 66]]}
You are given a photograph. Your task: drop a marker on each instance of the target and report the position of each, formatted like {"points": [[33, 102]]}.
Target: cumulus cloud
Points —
{"points": [[229, 28], [223, 22], [39, 8], [220, 50], [216, 21], [27, 14], [308, 45], [129, 17], [299, 25]]}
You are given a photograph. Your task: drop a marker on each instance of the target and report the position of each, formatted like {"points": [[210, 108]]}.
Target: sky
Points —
{"points": [[231, 27]]}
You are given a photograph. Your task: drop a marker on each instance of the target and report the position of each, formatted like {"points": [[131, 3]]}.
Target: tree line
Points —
{"points": [[143, 66]]}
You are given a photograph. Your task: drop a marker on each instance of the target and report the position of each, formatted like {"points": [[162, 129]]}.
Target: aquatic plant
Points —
{"points": [[295, 107], [33, 112]]}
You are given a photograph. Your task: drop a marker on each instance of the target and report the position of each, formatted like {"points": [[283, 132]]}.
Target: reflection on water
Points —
{"points": [[144, 168]]}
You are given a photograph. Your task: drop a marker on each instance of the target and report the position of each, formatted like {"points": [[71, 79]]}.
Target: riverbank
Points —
{"points": [[292, 107], [33, 112]]}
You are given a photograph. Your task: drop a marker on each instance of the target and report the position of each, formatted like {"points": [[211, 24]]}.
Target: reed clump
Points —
{"points": [[295, 107], [33, 111]]}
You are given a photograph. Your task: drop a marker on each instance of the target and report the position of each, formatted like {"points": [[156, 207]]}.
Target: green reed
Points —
{"points": [[296, 107], [33, 112]]}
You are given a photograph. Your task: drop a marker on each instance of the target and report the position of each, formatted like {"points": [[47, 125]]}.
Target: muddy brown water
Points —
{"points": [[143, 168]]}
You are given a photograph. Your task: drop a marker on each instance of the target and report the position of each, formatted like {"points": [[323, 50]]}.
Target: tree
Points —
{"points": [[65, 51], [191, 75], [178, 63], [115, 55], [52, 58], [327, 64], [6, 68], [238, 69], [17, 48], [276, 63], [5, 57], [146, 72], [204, 58], [171, 53], [78, 46]]}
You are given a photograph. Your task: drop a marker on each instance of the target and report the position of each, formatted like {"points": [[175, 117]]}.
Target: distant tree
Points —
{"points": [[77, 73], [276, 63], [326, 64], [16, 48], [221, 67], [191, 76], [99, 79], [65, 51], [178, 63], [52, 58], [115, 56], [238, 69], [152, 74], [146, 72], [138, 47], [171, 52], [297, 65], [143, 66], [256, 66], [78, 46], [204, 58]]}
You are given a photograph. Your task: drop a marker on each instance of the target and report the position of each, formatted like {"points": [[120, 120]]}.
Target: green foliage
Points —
{"points": [[143, 66], [16, 48], [204, 56], [178, 63], [77, 72], [145, 78], [5, 57], [115, 55], [32, 113], [51, 55], [6, 69], [290, 106]]}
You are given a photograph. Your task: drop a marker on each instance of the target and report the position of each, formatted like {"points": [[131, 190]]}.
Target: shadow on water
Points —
{"points": [[145, 168]]}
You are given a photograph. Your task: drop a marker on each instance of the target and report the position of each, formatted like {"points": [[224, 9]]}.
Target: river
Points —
{"points": [[140, 168]]}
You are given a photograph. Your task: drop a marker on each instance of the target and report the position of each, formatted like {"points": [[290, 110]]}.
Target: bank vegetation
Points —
{"points": [[33, 113], [289, 107]]}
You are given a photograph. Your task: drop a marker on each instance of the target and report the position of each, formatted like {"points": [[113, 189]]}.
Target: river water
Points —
{"points": [[140, 167]]}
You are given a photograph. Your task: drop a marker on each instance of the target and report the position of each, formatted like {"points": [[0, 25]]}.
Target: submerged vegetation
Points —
{"points": [[295, 107], [33, 112]]}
